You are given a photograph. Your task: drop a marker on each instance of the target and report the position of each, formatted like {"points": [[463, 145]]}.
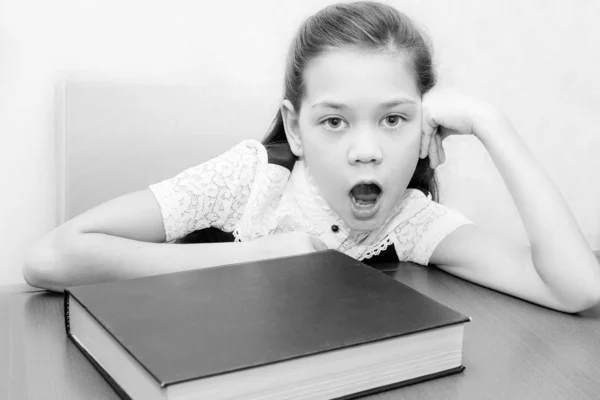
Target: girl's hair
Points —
{"points": [[367, 26]]}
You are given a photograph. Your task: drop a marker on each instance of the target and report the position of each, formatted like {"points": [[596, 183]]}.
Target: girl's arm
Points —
{"points": [[117, 240], [558, 269], [122, 239]]}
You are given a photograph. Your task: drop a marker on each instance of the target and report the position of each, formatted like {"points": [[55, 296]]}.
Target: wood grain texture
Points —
{"points": [[38, 361], [513, 349]]}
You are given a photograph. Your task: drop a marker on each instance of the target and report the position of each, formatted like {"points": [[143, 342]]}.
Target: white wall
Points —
{"points": [[536, 60]]}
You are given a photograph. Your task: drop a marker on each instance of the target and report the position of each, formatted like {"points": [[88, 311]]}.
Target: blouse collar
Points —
{"points": [[310, 200]]}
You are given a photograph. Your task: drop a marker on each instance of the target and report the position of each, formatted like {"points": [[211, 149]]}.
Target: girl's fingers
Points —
{"points": [[428, 130], [317, 243], [444, 133], [425, 142], [434, 158], [441, 152]]}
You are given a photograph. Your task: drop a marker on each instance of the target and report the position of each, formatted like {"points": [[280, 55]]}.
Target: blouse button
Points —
{"points": [[335, 228]]}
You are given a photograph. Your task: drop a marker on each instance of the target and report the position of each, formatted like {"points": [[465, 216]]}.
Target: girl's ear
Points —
{"points": [[291, 125]]}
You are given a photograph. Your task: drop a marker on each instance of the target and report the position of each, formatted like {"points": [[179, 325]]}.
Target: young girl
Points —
{"points": [[348, 164]]}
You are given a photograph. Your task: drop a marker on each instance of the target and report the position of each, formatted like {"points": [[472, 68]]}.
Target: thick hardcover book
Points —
{"points": [[315, 326]]}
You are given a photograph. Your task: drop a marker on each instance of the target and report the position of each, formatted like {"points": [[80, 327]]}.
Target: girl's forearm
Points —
{"points": [[560, 251], [87, 258]]}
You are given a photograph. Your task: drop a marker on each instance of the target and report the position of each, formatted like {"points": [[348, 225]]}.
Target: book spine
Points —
{"points": [[408, 382], [116, 387], [67, 296]]}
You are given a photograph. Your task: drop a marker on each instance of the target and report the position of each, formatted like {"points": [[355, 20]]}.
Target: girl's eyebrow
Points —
{"points": [[341, 106]]}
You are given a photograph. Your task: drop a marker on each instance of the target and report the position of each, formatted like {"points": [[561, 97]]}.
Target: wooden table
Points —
{"points": [[513, 349]]}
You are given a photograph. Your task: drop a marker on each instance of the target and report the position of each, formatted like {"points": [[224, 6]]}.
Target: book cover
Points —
{"points": [[201, 323]]}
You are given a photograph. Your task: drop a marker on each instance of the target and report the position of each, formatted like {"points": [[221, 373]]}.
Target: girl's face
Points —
{"points": [[359, 130]]}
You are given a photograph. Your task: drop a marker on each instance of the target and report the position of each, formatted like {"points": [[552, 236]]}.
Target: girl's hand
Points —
{"points": [[286, 244], [445, 113], [565, 277]]}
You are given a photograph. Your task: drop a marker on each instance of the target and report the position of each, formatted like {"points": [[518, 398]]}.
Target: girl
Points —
{"points": [[348, 164]]}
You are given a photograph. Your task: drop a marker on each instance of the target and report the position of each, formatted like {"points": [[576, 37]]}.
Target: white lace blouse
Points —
{"points": [[241, 192]]}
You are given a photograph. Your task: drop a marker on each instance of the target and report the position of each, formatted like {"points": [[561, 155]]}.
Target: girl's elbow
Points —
{"points": [[590, 295], [585, 293], [590, 301], [42, 267], [583, 302]]}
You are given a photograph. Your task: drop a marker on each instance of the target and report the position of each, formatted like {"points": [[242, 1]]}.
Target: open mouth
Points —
{"points": [[365, 194], [365, 200]]}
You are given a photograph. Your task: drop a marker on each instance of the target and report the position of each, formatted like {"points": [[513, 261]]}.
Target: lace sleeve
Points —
{"points": [[418, 236], [212, 194]]}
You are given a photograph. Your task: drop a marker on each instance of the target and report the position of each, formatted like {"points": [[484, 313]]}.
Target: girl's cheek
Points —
{"points": [[410, 134], [416, 131]]}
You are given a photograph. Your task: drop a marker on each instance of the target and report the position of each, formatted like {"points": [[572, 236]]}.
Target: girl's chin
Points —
{"points": [[361, 225]]}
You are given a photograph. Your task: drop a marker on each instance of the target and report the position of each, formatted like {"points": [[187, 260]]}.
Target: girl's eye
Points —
{"points": [[334, 122], [393, 120]]}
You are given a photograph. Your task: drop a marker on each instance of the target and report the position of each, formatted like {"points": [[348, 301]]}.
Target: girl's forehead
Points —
{"points": [[354, 74]]}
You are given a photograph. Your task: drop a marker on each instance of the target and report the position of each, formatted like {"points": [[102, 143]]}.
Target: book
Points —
{"points": [[316, 326]]}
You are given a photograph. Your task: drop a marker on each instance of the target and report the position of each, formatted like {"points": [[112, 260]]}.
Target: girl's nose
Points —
{"points": [[365, 149]]}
